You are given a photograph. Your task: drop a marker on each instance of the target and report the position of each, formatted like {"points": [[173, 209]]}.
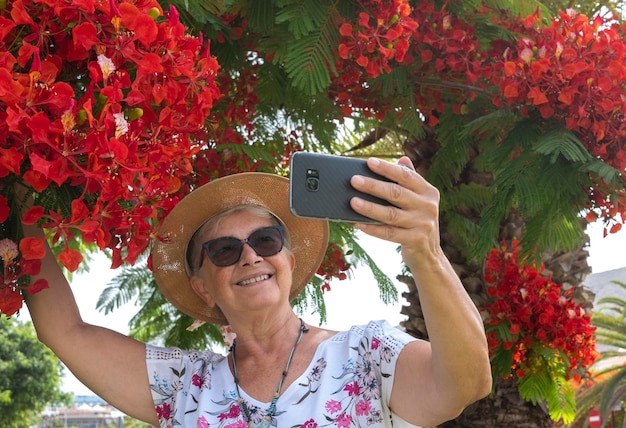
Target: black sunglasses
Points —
{"points": [[226, 251]]}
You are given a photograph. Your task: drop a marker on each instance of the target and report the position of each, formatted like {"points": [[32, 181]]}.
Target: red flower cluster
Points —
{"points": [[233, 130], [528, 312], [333, 266], [574, 71], [369, 47], [380, 36], [110, 97], [440, 51], [568, 74], [452, 64], [16, 267]]}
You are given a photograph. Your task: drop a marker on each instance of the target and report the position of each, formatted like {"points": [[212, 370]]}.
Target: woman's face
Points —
{"points": [[253, 283]]}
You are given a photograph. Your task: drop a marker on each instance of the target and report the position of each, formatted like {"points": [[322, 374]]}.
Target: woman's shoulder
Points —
{"points": [[378, 331], [374, 328]]}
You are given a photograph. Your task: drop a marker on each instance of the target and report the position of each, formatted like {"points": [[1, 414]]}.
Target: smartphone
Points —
{"points": [[319, 187]]}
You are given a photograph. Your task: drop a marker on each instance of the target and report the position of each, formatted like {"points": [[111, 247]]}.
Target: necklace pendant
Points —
{"points": [[263, 423]]}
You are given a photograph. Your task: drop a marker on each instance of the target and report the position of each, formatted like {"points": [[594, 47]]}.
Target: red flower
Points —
{"points": [[4, 209], [586, 94], [333, 266], [536, 313], [32, 248], [80, 87], [10, 300]]}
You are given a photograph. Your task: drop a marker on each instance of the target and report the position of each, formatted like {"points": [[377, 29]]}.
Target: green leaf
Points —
{"points": [[561, 142], [301, 16], [501, 362], [548, 385], [260, 16], [306, 63], [259, 153]]}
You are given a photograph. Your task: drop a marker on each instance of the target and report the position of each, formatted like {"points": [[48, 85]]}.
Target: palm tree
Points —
{"points": [[608, 384]]}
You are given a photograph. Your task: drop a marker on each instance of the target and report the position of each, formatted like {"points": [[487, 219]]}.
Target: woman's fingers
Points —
{"points": [[413, 215]]}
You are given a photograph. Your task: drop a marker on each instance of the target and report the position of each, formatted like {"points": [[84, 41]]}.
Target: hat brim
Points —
{"points": [[309, 237]]}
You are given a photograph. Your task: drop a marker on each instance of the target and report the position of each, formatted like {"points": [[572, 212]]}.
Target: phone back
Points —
{"points": [[319, 187]]}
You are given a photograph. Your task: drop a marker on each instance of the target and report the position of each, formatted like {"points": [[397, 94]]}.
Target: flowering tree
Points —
{"points": [[536, 331], [106, 125], [109, 100], [516, 117]]}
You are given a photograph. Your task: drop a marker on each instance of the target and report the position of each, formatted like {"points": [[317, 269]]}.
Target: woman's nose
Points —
{"points": [[248, 255]]}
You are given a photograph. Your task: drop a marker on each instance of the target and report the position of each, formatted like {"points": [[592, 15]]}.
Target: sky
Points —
{"points": [[360, 290]]}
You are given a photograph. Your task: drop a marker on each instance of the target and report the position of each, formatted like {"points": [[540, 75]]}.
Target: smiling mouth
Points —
{"points": [[255, 279]]}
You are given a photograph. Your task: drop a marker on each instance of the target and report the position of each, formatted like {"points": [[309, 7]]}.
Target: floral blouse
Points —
{"points": [[347, 384]]}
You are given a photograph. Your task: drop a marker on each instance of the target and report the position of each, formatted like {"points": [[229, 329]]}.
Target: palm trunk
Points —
{"points": [[504, 407]]}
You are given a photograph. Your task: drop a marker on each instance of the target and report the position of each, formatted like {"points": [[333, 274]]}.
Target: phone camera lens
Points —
{"points": [[312, 184]]}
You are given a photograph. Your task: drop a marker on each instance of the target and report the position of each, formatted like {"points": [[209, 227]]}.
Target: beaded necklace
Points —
{"points": [[265, 422]]}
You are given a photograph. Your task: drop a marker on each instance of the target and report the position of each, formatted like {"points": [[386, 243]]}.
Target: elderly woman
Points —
{"points": [[231, 253]]}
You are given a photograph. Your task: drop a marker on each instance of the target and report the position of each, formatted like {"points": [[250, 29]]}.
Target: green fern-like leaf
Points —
{"points": [[409, 117], [461, 207], [561, 142], [463, 232], [546, 385], [123, 288], [309, 59], [519, 8], [259, 153], [260, 16], [488, 123], [454, 153], [311, 300], [156, 321], [536, 386], [395, 83], [501, 362], [562, 402], [198, 15], [301, 16], [556, 229], [345, 236], [543, 186], [306, 62]]}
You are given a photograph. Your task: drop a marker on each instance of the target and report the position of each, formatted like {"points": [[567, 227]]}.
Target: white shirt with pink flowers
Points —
{"points": [[347, 384]]}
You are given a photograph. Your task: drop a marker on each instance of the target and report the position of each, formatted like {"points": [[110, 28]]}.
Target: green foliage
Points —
{"points": [[134, 423], [551, 386], [156, 321], [590, 8], [454, 152], [312, 299], [307, 59], [541, 177], [301, 17], [609, 373], [459, 208], [30, 375]]}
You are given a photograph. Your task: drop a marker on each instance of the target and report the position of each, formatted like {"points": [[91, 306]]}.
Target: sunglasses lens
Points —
{"points": [[267, 241], [224, 251]]}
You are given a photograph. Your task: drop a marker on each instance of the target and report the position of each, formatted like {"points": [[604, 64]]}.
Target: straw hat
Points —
{"points": [[309, 237]]}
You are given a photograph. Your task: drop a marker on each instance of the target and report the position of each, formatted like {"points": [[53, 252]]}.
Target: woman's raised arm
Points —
{"points": [[109, 363]]}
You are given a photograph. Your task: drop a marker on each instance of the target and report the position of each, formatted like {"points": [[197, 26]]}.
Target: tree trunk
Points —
{"points": [[504, 407]]}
